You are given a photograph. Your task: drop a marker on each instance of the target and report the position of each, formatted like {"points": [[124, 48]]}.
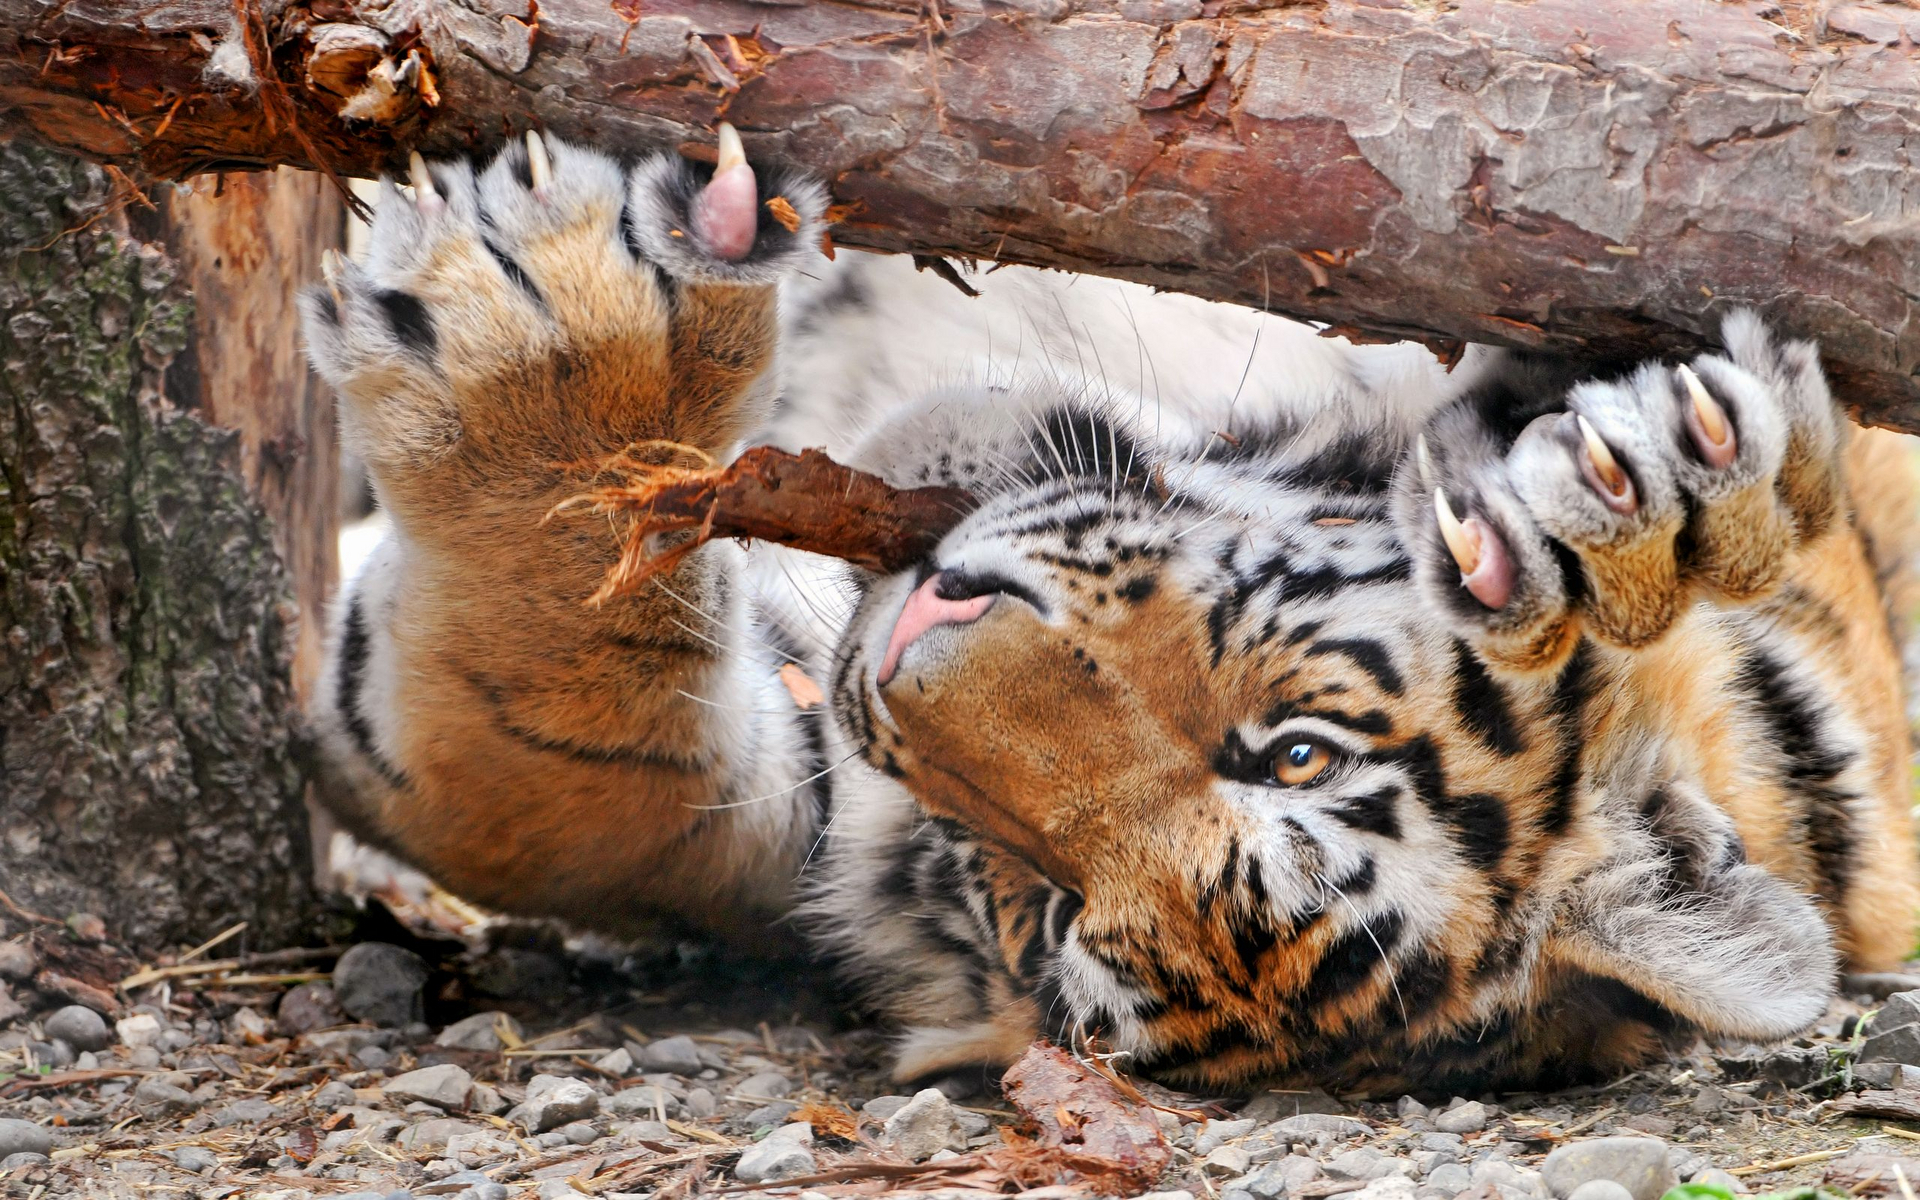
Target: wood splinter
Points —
{"points": [[806, 501]]}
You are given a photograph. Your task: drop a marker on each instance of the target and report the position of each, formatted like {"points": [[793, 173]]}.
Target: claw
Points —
{"points": [[539, 166], [1485, 570], [1707, 422], [426, 197], [1422, 459], [732, 152], [1603, 471], [1464, 547], [331, 264], [726, 213]]}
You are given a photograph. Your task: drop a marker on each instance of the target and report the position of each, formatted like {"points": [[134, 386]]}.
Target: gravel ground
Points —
{"points": [[504, 1063]]}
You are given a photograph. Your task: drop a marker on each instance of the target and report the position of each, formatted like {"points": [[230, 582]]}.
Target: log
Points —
{"points": [[150, 752], [1588, 178]]}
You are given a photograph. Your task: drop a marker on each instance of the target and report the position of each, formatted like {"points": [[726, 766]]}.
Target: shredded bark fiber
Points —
{"points": [[806, 500]]}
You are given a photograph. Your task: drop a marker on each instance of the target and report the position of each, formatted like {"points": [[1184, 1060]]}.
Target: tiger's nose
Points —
{"points": [[926, 609]]}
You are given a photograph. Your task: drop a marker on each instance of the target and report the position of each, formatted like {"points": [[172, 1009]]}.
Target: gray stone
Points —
{"points": [[18, 961], [774, 1158], [1227, 1160], [197, 1159], [1387, 1187], [334, 1095], [23, 1137], [1498, 1173], [1180, 1195], [1451, 1178], [159, 1097], [431, 1137], [676, 1055], [372, 1058], [580, 1133], [763, 1085], [1887, 1077], [701, 1104], [1715, 1177], [923, 1125], [1214, 1134], [1879, 984], [643, 1101], [23, 1159], [881, 1107], [481, 1031], [140, 1029], [1901, 1044], [1600, 1189], [553, 1101], [1281, 1177], [1304, 1127], [619, 1062], [244, 1112], [1407, 1106], [485, 1101], [381, 984], [445, 1086], [310, 1006], [1470, 1117], [1638, 1164], [79, 1027], [1899, 1008], [1358, 1163], [766, 1115]]}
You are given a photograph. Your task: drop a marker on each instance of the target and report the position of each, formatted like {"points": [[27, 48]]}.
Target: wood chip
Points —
{"points": [[784, 212]]}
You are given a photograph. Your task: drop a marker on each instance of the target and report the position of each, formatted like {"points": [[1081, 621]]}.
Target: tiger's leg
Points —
{"points": [[478, 716], [1613, 517]]}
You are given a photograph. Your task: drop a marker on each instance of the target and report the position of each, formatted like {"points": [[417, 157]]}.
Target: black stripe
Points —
{"points": [[1373, 813], [516, 273], [410, 321], [1481, 700], [1798, 723], [1351, 960], [355, 649], [1370, 656], [1479, 823], [1569, 705]]}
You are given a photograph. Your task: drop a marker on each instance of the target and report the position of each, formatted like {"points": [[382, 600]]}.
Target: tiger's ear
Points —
{"points": [[1678, 915]]}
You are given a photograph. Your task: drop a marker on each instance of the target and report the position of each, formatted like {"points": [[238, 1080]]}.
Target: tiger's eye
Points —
{"points": [[1300, 762]]}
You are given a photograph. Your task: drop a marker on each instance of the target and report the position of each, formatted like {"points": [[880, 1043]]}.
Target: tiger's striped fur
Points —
{"points": [[1661, 789]]}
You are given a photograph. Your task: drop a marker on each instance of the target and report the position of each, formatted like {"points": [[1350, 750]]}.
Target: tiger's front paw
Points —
{"points": [[555, 307], [1640, 496]]}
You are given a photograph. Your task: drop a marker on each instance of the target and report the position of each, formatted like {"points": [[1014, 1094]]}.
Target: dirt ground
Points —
{"points": [[680, 1068]]}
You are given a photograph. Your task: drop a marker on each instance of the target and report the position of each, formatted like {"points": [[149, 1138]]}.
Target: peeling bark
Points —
{"points": [[1585, 177], [149, 763]]}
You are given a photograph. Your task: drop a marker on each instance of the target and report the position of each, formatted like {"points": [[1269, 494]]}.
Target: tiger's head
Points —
{"points": [[1228, 795]]}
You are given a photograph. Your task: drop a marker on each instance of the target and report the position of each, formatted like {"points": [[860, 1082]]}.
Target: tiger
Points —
{"points": [[1318, 715]]}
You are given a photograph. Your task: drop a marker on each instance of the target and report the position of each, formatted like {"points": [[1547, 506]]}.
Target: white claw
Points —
{"points": [[1464, 547], [1604, 464], [732, 153], [420, 178], [539, 167], [1713, 420], [331, 264], [1422, 459]]}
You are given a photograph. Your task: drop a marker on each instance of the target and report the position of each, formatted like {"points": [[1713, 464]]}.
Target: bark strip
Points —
{"points": [[1596, 179]]}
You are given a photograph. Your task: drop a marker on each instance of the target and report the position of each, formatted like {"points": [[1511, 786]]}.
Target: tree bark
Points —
{"points": [[148, 730], [1584, 177]]}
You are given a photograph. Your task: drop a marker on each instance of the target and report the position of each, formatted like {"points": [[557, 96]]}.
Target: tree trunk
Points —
{"points": [[148, 671], [1589, 178]]}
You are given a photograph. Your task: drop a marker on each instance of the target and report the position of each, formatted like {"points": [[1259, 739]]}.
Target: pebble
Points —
{"points": [[1638, 1164], [23, 1137], [310, 1006], [1387, 1187], [580, 1133], [138, 1030], [700, 1103], [1600, 1189], [644, 1101], [1227, 1160], [676, 1055], [1214, 1134], [79, 1027], [481, 1031], [445, 1086], [1451, 1178], [779, 1155], [1359, 1163], [334, 1095], [197, 1159], [1715, 1177], [1183, 1195], [1304, 1126], [23, 1159], [763, 1085], [619, 1062], [244, 1112], [17, 961], [1470, 1117], [881, 1107], [1282, 1177], [161, 1096], [923, 1125], [553, 1101], [381, 984], [431, 1137]]}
